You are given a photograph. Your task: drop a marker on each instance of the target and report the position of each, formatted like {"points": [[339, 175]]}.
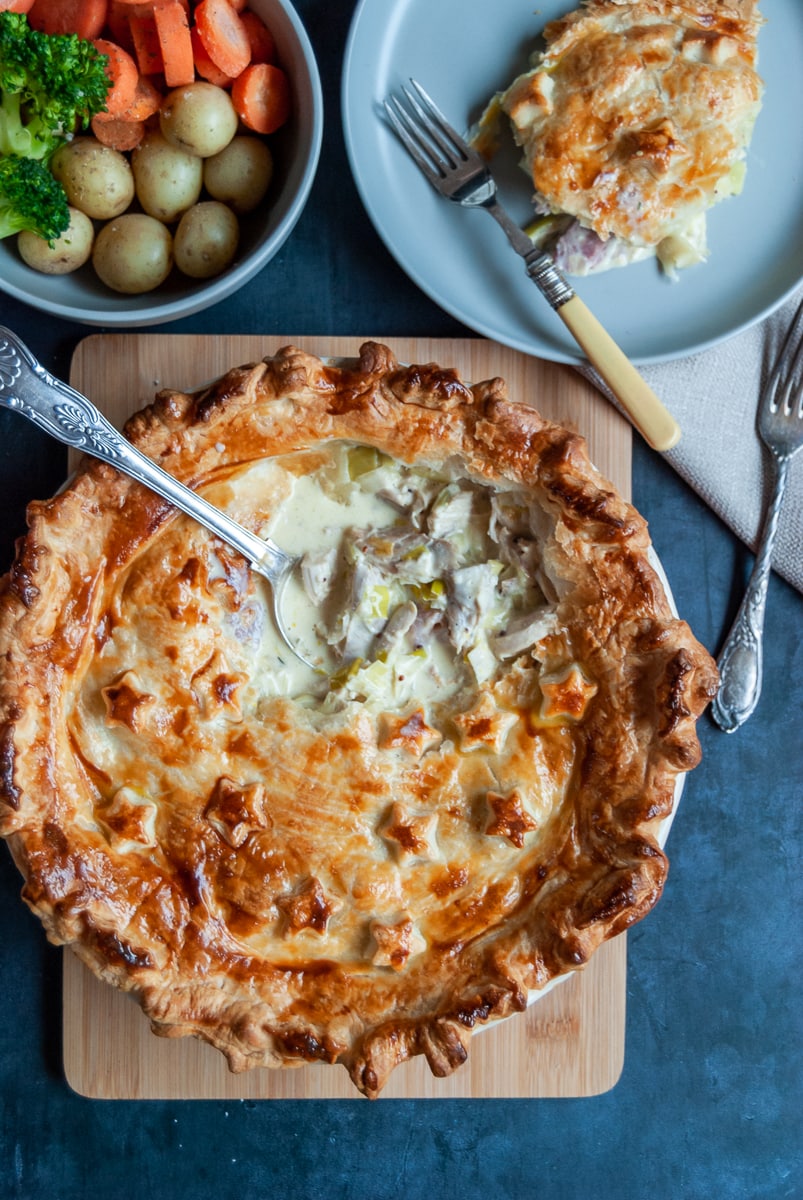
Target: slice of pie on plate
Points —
{"points": [[633, 121], [369, 860]]}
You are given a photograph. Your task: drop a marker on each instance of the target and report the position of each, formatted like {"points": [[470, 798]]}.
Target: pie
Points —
{"points": [[633, 121], [368, 858]]}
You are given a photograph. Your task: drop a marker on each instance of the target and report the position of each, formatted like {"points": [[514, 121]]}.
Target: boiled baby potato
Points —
{"points": [[240, 174], [206, 239], [97, 179], [133, 253], [168, 181], [67, 253], [198, 118]]}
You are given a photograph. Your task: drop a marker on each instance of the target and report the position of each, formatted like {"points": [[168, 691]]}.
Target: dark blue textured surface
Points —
{"points": [[708, 1104]]}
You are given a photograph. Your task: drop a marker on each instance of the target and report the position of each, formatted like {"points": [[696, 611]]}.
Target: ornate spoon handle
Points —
{"points": [[740, 659], [27, 388]]}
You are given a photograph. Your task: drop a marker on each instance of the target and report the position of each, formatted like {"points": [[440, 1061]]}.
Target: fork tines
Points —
{"points": [[425, 132], [784, 387]]}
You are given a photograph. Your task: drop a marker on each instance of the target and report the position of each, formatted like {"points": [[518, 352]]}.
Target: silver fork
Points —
{"points": [[27, 388], [780, 425], [459, 173]]}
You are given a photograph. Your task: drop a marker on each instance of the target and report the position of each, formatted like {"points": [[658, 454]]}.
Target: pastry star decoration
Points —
{"points": [[415, 836], [407, 733], [130, 821], [485, 726], [566, 694], [215, 687], [308, 907], [511, 820], [126, 702], [396, 943], [235, 810]]}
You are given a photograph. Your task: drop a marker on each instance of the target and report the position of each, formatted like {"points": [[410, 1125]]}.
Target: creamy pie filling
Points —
{"points": [[417, 582], [423, 594]]}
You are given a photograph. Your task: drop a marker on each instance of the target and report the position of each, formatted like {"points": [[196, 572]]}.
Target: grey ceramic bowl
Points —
{"points": [[296, 148]]}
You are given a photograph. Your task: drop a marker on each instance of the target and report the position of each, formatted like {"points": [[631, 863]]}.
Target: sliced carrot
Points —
{"points": [[117, 26], [173, 32], [17, 6], [261, 97], [84, 17], [123, 74], [147, 101], [120, 135], [260, 38], [204, 65], [144, 8], [146, 44], [223, 36]]}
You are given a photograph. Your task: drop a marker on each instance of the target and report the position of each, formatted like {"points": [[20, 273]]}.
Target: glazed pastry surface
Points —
{"points": [[365, 862], [635, 120]]}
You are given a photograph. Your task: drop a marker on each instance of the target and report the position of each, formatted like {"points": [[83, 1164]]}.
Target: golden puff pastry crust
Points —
{"points": [[637, 116], [321, 871]]}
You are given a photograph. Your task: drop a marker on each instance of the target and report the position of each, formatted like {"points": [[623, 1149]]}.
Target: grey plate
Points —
{"points": [[462, 51]]}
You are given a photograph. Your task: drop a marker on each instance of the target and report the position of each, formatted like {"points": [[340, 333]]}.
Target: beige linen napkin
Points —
{"points": [[714, 397]]}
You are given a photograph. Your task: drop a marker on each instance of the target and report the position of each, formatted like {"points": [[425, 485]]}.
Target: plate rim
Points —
{"points": [[537, 346]]}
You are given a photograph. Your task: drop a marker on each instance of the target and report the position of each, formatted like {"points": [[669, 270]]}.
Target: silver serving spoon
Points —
{"points": [[28, 388]]}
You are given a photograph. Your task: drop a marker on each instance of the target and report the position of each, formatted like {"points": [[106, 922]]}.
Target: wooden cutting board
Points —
{"points": [[571, 1042]]}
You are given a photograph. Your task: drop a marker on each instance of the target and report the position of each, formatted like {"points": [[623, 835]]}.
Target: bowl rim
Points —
{"points": [[215, 290]]}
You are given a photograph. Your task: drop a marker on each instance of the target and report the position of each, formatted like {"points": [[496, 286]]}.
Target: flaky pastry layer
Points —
{"points": [[638, 111], [295, 878]]}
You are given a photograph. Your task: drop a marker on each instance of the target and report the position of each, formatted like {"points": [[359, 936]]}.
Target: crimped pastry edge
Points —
{"points": [[595, 904]]}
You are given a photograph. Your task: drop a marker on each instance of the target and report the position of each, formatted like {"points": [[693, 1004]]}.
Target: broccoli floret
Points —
{"points": [[51, 85], [50, 88], [31, 198]]}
